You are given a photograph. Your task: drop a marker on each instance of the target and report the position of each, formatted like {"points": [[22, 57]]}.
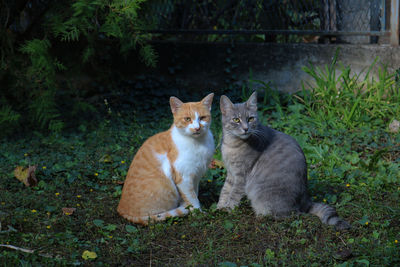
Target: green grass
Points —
{"points": [[353, 165]]}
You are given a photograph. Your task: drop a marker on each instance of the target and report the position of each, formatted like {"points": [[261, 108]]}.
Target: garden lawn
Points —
{"points": [[353, 166]]}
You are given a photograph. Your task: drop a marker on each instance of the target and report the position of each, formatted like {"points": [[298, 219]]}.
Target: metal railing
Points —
{"points": [[347, 21]]}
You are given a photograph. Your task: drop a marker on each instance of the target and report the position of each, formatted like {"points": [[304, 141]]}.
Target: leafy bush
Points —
{"points": [[39, 43]]}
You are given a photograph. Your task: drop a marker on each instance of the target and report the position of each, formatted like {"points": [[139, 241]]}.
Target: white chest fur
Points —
{"points": [[194, 154]]}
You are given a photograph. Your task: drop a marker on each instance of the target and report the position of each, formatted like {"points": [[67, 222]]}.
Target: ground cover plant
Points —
{"points": [[345, 125]]}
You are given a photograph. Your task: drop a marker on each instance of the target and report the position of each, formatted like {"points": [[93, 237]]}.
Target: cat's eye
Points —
{"points": [[188, 119], [251, 119], [237, 120], [202, 118]]}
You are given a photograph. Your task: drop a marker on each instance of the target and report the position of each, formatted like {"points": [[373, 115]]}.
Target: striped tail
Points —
{"points": [[144, 220], [328, 215]]}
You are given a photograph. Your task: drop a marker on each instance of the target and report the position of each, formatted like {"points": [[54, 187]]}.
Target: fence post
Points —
{"points": [[394, 22]]}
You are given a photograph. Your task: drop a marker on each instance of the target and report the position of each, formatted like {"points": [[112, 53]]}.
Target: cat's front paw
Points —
{"points": [[225, 207], [191, 208]]}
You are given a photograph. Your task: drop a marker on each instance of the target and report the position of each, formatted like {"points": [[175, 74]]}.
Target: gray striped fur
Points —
{"points": [[266, 165]]}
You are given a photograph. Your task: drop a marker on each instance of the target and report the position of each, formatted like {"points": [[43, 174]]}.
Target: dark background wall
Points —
{"points": [[206, 66]]}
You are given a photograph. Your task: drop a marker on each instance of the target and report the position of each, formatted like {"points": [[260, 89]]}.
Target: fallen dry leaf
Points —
{"points": [[106, 158], [68, 211], [86, 255], [215, 163], [26, 175], [394, 126]]}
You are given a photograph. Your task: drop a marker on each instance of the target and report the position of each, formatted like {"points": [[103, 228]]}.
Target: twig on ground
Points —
{"points": [[17, 248], [28, 251], [343, 241]]}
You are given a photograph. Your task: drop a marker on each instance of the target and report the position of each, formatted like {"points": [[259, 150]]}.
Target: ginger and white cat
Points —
{"points": [[163, 178]]}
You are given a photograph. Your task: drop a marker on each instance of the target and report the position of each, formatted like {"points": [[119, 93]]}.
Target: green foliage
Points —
{"points": [[43, 110], [8, 118], [43, 66], [350, 97], [235, 15], [34, 66], [148, 54], [337, 120]]}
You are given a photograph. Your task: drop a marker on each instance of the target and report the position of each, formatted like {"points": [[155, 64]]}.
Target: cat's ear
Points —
{"points": [[225, 104], [251, 103], [175, 104], [207, 101]]}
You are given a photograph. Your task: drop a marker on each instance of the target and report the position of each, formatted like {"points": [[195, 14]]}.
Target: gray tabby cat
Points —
{"points": [[266, 165]]}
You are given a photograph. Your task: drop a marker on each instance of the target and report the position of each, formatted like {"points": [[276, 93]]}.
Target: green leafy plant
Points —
{"points": [[350, 97], [36, 65], [8, 118]]}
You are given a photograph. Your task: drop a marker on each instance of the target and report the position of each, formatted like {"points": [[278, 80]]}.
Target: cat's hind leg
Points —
{"points": [[270, 199], [146, 197]]}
